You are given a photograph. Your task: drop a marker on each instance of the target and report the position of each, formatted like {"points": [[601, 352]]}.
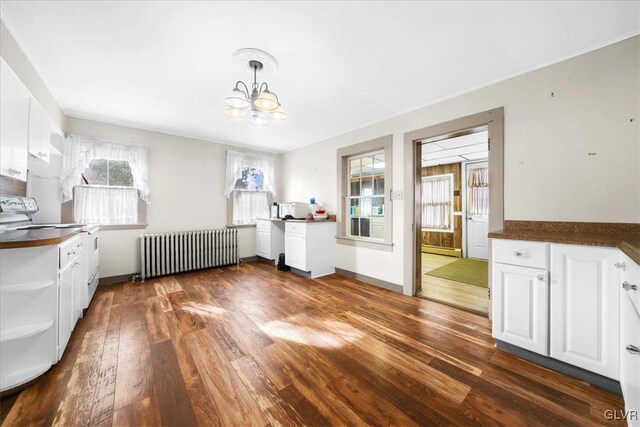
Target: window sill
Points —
{"points": [[241, 225], [122, 226], [365, 243]]}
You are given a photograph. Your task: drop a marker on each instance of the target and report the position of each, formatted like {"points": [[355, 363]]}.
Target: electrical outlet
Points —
{"points": [[396, 195]]}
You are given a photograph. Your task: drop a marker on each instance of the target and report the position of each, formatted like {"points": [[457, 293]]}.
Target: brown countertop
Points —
{"points": [[626, 237], [12, 239]]}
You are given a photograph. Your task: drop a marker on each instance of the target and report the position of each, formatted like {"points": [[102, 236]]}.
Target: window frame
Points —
{"points": [[450, 177], [108, 174], [382, 145]]}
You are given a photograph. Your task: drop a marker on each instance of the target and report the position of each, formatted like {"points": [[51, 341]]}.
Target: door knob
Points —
{"points": [[628, 286], [633, 349]]}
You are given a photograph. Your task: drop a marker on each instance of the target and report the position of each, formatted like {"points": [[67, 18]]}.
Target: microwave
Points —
{"points": [[295, 209]]}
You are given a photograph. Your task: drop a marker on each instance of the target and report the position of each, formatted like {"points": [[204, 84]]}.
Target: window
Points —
{"points": [[108, 198], [437, 203], [104, 182], [364, 171], [366, 195], [249, 186], [250, 201], [478, 186]]}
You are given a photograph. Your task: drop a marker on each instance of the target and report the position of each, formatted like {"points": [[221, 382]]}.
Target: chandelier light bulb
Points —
{"points": [[237, 99], [258, 119], [277, 114], [267, 101], [235, 113]]}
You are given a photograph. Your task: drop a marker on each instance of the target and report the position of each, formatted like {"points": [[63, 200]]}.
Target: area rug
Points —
{"points": [[466, 270]]}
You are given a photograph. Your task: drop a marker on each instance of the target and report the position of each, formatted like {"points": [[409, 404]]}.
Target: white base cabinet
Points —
{"points": [[310, 247], [269, 238], [520, 296], [585, 308], [630, 341]]}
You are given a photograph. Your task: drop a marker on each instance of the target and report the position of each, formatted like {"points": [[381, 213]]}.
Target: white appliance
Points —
{"points": [[295, 209]]}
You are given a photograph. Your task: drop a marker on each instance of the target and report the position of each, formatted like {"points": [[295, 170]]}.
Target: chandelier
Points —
{"points": [[258, 103]]}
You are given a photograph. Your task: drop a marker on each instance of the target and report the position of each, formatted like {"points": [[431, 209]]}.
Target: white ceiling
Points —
{"points": [[166, 65], [474, 146]]}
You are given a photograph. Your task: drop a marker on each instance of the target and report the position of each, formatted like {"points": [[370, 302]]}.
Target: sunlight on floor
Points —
{"points": [[336, 335]]}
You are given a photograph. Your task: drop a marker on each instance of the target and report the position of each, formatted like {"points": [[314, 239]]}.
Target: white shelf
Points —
{"points": [[24, 376], [26, 287], [24, 331]]}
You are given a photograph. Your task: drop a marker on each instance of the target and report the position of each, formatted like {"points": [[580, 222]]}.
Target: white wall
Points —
{"points": [[549, 175], [186, 180]]}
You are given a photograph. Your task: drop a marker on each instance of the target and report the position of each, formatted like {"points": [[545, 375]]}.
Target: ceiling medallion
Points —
{"points": [[259, 104]]}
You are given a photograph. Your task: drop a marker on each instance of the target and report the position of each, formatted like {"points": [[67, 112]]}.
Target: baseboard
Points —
{"points": [[370, 280], [254, 258], [573, 371], [112, 280]]}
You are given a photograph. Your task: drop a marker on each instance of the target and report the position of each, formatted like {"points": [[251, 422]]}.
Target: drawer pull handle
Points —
{"points": [[540, 277], [633, 349], [518, 253], [628, 286]]}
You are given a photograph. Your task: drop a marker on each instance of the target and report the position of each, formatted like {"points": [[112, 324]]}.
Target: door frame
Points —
{"points": [[464, 190], [494, 121]]}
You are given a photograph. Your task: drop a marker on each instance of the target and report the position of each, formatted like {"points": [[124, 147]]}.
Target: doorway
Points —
{"points": [[454, 202], [455, 254]]}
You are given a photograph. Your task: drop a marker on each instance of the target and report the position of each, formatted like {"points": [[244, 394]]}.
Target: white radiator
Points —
{"points": [[169, 253]]}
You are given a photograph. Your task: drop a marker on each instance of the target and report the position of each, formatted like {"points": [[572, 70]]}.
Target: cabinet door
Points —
{"points": [[295, 250], [39, 131], [520, 306], [14, 124], [263, 244], [585, 301], [630, 359], [66, 316]]}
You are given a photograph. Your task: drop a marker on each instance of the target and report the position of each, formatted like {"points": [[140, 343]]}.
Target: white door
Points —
{"points": [[477, 216], [66, 319], [520, 306], [585, 302], [14, 124]]}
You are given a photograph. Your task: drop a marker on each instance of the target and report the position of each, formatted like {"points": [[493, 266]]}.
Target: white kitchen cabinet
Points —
{"points": [[14, 124], [520, 298], [66, 318], [269, 238], [39, 131], [630, 341], [584, 307], [310, 247]]}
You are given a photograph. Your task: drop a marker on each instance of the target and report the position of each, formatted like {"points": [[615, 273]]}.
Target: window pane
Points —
{"points": [[367, 166], [120, 173], [355, 186], [378, 174], [365, 207], [377, 227], [354, 207], [248, 206], [364, 227], [354, 175], [377, 208], [355, 227], [96, 173], [367, 185]]}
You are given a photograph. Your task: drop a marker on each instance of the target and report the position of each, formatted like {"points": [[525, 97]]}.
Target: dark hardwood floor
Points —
{"points": [[251, 346]]}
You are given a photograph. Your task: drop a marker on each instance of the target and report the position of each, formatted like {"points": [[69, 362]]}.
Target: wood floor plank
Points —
{"points": [[249, 345], [169, 386], [233, 402]]}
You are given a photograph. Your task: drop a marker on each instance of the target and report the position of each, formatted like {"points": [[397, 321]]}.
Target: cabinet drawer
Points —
{"points": [[263, 225], [69, 250], [296, 227], [521, 252]]}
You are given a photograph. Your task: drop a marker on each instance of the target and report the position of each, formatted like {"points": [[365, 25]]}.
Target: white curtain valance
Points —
{"points": [[248, 171], [79, 151], [105, 205], [436, 202]]}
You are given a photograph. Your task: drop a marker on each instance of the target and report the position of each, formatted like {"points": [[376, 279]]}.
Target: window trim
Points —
{"points": [[451, 228], [385, 145]]}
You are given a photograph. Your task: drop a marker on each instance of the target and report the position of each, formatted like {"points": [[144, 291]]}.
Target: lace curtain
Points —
{"points": [[249, 172], [249, 205], [478, 191], [437, 202], [79, 151], [105, 205]]}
